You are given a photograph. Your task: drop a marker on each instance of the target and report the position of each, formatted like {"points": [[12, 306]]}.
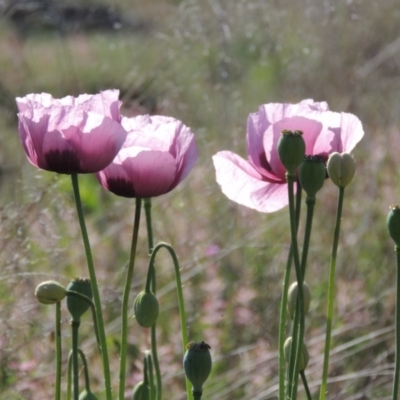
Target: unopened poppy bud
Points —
{"points": [[146, 309], [50, 292], [393, 223], [87, 395], [141, 391], [292, 298], [291, 149], [197, 364], [312, 174], [341, 168], [304, 357], [76, 305]]}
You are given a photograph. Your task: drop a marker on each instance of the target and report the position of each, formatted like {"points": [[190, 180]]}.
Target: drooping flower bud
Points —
{"points": [[141, 391], [304, 357], [393, 223], [78, 306], [312, 174], [197, 364], [291, 149], [146, 309], [292, 297], [341, 168], [87, 395], [50, 292]]}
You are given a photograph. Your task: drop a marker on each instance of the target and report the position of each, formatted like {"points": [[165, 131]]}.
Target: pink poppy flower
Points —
{"points": [[158, 153], [259, 182], [71, 135]]}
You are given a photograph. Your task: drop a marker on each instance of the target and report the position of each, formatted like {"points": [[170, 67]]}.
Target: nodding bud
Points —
{"points": [[341, 168], [50, 292], [76, 305], [146, 309], [292, 298], [393, 223], [304, 357], [312, 174], [197, 364], [291, 149], [87, 395], [141, 391]]}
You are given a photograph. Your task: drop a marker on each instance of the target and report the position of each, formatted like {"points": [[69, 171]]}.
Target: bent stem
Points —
{"points": [[57, 391], [298, 328], [125, 300], [331, 294], [179, 293], [86, 370], [283, 308], [95, 288], [397, 328]]}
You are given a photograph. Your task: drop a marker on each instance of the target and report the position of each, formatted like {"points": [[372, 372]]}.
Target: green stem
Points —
{"points": [[156, 362], [95, 288], [125, 300], [331, 294], [305, 384], [69, 381], [86, 369], [75, 368], [181, 303], [197, 395], [57, 394], [149, 364], [298, 329], [307, 233], [397, 328], [283, 308]]}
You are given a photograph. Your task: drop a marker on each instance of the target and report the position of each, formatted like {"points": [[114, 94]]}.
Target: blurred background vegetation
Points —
{"points": [[209, 63]]}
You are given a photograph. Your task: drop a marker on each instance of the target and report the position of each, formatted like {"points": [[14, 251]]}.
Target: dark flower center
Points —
{"points": [[121, 187], [63, 162]]}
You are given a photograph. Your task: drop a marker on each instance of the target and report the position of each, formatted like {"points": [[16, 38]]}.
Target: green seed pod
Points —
{"points": [[141, 391], [341, 168], [146, 309], [50, 292], [304, 358], [393, 223], [197, 364], [291, 149], [85, 395], [312, 174], [292, 297], [77, 306]]}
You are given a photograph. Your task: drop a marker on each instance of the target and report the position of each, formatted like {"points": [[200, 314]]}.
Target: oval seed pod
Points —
{"points": [[197, 364], [50, 292], [291, 149], [393, 224], [141, 391], [304, 358], [146, 309], [77, 306], [292, 297], [85, 395], [312, 174]]}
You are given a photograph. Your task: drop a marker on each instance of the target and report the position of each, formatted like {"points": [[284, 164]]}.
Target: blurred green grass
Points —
{"points": [[209, 63]]}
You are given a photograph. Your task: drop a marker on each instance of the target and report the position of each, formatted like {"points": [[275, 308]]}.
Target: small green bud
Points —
{"points": [[141, 391], [341, 168], [77, 306], [304, 358], [291, 149], [312, 174], [146, 309], [85, 395], [292, 297], [197, 364], [50, 292], [393, 223]]}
